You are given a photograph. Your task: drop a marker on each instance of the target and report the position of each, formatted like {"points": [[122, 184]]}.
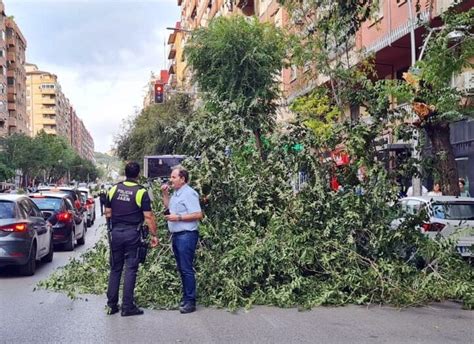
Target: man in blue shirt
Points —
{"points": [[184, 215]]}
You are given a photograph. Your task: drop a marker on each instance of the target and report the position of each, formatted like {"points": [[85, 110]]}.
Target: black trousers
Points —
{"points": [[124, 251]]}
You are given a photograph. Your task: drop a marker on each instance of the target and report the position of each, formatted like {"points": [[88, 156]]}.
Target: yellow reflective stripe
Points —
{"points": [[129, 184], [139, 197], [112, 192]]}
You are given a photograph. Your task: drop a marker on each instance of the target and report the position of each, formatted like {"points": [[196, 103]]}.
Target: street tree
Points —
{"points": [[241, 74], [146, 133]]}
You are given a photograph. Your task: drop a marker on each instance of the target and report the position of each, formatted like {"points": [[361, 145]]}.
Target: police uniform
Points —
{"points": [[128, 200]]}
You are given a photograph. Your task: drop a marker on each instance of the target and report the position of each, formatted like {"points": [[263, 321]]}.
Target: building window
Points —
{"points": [[378, 15], [10, 81]]}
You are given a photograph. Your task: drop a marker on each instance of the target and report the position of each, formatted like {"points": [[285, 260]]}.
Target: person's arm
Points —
{"points": [[165, 193], [150, 221], [197, 216], [108, 208], [149, 218]]}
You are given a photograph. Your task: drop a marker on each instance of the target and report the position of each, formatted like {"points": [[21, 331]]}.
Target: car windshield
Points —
{"points": [[454, 211], [47, 203], [7, 210]]}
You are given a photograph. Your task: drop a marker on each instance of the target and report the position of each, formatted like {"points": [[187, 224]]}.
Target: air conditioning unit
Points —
{"points": [[464, 82]]}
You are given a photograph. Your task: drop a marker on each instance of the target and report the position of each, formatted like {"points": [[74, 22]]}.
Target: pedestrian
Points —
{"points": [[102, 199], [462, 188], [424, 191], [183, 217], [127, 207], [436, 190]]}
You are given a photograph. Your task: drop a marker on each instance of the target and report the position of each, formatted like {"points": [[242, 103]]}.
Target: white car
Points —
{"points": [[448, 216]]}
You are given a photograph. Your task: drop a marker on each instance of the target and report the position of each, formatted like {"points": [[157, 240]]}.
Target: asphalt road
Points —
{"points": [[28, 316]]}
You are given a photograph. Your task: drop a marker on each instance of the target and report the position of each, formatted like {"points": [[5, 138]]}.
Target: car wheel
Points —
{"points": [[30, 267], [82, 239], [49, 257], [69, 246]]}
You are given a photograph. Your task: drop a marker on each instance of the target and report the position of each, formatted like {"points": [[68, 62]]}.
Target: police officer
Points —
{"points": [[127, 206]]}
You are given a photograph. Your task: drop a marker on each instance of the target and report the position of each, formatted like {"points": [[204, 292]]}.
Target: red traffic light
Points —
{"points": [[159, 89]]}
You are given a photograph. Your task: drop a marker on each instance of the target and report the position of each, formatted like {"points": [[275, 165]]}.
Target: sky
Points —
{"points": [[103, 52]]}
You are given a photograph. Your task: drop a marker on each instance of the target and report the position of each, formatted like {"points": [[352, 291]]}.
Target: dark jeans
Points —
{"points": [[102, 207], [125, 242], [184, 249]]}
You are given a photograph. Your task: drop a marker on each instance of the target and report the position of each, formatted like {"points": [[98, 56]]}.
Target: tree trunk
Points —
{"points": [[444, 157]]}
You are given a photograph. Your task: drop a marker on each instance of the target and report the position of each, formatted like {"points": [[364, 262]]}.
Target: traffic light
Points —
{"points": [[159, 96]]}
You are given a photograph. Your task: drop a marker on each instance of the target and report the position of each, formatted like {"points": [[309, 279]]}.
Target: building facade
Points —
{"points": [[4, 116], [18, 121], [45, 96]]}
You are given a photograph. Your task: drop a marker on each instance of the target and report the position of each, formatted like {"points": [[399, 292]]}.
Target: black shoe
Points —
{"points": [[112, 309], [133, 311], [187, 308], [181, 303]]}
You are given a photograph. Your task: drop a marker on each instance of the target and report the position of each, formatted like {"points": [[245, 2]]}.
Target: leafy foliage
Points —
{"points": [[145, 134], [45, 157], [249, 57]]}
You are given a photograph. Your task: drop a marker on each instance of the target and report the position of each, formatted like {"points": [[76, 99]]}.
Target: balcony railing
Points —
{"points": [[399, 32]]}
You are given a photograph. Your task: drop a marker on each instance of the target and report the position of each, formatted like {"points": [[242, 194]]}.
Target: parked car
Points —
{"points": [[24, 234], [70, 226], [89, 201], [448, 216]]}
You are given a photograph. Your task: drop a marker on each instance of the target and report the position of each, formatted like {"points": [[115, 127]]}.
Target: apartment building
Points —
{"points": [[4, 116], [45, 97], [50, 110], [86, 143], [18, 121], [195, 14]]}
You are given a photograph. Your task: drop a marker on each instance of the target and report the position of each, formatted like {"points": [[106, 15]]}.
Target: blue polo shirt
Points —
{"points": [[184, 201]]}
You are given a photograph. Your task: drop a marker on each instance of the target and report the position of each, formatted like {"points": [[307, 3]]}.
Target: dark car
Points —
{"points": [[25, 236], [73, 192], [69, 225]]}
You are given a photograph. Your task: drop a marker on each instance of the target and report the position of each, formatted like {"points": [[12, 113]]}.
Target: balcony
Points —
{"points": [[48, 91], [12, 121], [11, 106], [11, 42], [172, 53], [11, 89], [172, 67], [11, 56]]}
